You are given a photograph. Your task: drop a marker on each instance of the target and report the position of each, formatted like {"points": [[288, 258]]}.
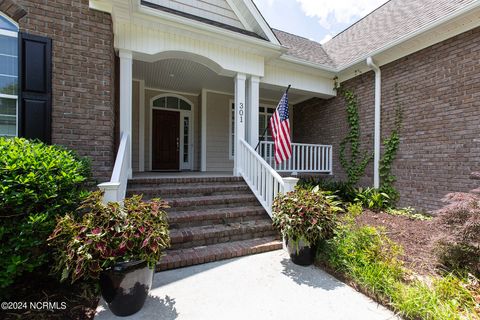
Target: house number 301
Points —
{"points": [[240, 111]]}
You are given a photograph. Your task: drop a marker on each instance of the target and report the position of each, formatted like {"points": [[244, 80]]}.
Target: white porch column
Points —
{"points": [[126, 60], [203, 126], [239, 118], [253, 99]]}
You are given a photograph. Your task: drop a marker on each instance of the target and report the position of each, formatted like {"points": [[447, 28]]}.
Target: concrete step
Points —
{"points": [[198, 255], [179, 219], [188, 190], [209, 202], [218, 233]]}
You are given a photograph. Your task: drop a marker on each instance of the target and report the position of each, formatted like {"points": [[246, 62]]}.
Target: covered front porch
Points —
{"points": [[183, 119], [196, 97]]}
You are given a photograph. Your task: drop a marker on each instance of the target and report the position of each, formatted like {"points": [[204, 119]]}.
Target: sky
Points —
{"points": [[317, 20]]}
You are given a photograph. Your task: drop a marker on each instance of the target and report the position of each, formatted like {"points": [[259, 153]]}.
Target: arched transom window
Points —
{"points": [[172, 103]]}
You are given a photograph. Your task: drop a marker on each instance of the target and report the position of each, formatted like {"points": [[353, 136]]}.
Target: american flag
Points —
{"points": [[280, 130]]}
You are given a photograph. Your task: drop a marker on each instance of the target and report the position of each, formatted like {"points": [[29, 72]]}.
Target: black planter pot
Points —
{"points": [[303, 254], [125, 287]]}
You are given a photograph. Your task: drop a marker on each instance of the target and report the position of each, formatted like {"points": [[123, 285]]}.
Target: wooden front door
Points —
{"points": [[165, 140]]}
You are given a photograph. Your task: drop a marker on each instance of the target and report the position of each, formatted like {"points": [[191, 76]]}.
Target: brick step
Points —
{"points": [[136, 186], [193, 256], [179, 219], [182, 180], [188, 190], [218, 233], [209, 202]]}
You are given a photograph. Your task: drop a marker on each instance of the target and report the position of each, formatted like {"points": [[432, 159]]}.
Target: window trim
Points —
{"points": [[12, 34]]}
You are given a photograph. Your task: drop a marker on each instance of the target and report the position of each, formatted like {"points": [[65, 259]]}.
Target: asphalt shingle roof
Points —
{"points": [[303, 48], [388, 23]]}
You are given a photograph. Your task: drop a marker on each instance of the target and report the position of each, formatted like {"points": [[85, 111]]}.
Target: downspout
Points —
{"points": [[376, 142]]}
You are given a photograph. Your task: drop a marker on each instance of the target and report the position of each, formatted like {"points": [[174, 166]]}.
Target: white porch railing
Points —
{"points": [[116, 188], [305, 157], [262, 179]]}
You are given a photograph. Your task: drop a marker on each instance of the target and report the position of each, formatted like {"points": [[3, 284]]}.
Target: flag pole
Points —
{"points": [[266, 128]]}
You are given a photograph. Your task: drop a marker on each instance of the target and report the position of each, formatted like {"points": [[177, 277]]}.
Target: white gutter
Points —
{"points": [[376, 142]]}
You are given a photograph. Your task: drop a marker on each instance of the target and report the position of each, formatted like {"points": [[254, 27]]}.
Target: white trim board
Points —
{"points": [[172, 91], [141, 126], [203, 134]]}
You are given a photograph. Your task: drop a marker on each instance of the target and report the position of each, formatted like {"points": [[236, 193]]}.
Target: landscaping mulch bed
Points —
{"points": [[416, 237], [43, 297]]}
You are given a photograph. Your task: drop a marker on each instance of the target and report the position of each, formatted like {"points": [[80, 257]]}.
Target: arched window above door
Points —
{"points": [[172, 103]]}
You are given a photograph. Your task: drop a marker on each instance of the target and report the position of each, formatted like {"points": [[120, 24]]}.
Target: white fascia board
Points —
{"points": [[261, 21], [99, 5], [325, 70], [268, 48], [349, 71], [239, 15]]}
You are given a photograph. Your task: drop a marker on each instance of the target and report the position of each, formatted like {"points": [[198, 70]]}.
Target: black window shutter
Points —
{"points": [[35, 87]]}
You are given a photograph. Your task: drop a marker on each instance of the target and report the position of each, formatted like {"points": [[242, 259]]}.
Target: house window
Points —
{"points": [[186, 130], [172, 103], [264, 114], [8, 77]]}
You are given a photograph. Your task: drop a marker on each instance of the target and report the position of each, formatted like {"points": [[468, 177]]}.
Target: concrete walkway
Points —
{"points": [[265, 286]]}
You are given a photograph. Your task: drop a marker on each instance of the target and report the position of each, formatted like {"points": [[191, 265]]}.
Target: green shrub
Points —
{"points": [[368, 257], [341, 189], [408, 212], [39, 182], [372, 198], [354, 209], [308, 215], [102, 235], [445, 298]]}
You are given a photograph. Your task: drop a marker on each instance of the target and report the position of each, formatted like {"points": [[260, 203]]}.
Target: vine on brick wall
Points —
{"points": [[390, 149], [355, 163]]}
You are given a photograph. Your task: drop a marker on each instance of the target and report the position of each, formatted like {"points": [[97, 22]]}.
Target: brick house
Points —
{"points": [[181, 86]]}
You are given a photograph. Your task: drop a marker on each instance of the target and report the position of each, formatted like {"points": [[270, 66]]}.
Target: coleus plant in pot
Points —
{"points": [[119, 245], [305, 217]]}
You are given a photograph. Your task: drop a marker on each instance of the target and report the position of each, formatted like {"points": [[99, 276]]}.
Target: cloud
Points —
{"points": [[331, 12], [326, 39], [269, 2]]}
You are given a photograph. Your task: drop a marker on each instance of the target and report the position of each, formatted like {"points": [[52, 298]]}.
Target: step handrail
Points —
{"points": [[116, 189], [262, 179]]}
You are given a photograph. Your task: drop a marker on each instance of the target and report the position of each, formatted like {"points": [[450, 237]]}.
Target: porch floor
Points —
{"points": [[181, 174]]}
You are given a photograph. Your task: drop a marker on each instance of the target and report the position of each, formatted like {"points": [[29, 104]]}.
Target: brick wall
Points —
{"points": [[83, 73], [439, 88]]}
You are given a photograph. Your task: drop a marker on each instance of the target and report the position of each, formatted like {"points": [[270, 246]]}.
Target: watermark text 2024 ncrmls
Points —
{"points": [[34, 305]]}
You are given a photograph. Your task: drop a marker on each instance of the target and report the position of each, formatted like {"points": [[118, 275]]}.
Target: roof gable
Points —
{"points": [[240, 16]]}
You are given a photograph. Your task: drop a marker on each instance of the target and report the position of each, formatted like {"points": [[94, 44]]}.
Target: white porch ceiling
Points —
{"points": [[190, 77]]}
